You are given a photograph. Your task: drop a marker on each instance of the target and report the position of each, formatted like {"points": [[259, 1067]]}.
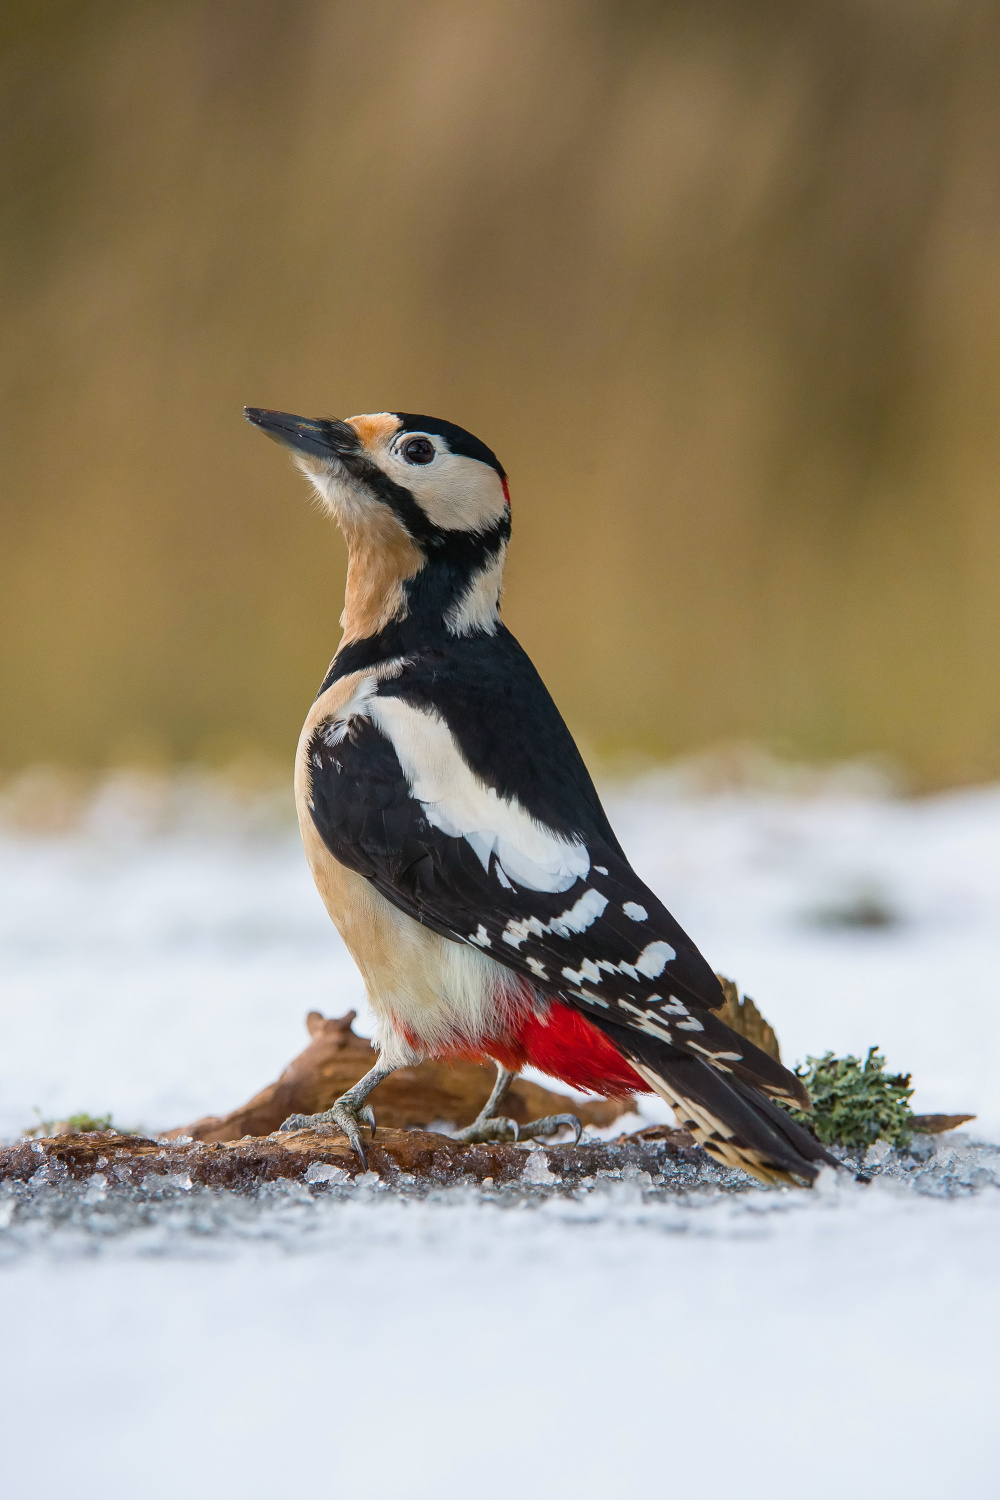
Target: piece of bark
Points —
{"points": [[746, 1020], [658, 1133], [431, 1092], [938, 1124], [247, 1164]]}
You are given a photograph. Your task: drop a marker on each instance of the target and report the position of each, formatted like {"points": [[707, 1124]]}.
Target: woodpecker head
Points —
{"points": [[423, 506]]}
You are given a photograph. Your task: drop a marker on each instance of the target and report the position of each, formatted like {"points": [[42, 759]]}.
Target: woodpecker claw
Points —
{"points": [[348, 1123], [540, 1130], [346, 1117], [494, 1128]]}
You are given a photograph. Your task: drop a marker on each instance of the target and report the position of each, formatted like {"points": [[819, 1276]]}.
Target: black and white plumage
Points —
{"points": [[455, 833]]}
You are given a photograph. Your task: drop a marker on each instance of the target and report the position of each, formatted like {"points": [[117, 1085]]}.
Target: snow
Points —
{"points": [[158, 957]]}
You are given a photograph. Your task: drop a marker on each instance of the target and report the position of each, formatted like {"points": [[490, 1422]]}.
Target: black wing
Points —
{"points": [[604, 944]]}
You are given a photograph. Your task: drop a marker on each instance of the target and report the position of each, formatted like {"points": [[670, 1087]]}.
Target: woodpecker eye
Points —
{"points": [[418, 450]]}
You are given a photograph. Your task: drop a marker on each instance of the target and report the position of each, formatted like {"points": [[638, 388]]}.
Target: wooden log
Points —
{"points": [[428, 1094], [318, 1156]]}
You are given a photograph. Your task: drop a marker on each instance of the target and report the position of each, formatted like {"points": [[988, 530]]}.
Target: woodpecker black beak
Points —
{"points": [[320, 438]]}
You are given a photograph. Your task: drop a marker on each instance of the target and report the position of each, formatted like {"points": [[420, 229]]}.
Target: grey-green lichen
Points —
{"points": [[856, 1103]]}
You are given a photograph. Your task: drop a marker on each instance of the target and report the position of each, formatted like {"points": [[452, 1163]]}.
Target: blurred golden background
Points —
{"points": [[720, 284]]}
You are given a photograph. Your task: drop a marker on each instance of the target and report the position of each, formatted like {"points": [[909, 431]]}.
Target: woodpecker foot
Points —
{"points": [[346, 1117], [493, 1128], [498, 1128], [549, 1125]]}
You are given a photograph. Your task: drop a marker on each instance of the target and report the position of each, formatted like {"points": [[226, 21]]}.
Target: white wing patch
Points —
{"points": [[587, 970], [651, 963], [635, 911], [654, 959], [673, 1006], [591, 998], [576, 918], [460, 805], [648, 1021]]}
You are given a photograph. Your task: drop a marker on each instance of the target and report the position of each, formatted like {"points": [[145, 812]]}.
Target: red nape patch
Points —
{"points": [[506, 490], [564, 1044]]}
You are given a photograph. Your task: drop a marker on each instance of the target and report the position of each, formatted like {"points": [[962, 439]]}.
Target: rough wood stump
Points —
{"points": [[428, 1094]]}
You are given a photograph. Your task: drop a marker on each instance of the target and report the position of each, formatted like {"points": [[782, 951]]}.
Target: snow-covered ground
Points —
{"points": [[157, 961]]}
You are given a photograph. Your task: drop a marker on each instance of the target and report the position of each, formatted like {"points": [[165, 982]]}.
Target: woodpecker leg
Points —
{"points": [[490, 1126], [348, 1113], [540, 1130]]}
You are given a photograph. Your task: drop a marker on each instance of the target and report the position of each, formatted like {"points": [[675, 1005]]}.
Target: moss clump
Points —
{"points": [[856, 1104], [76, 1125], [84, 1122]]}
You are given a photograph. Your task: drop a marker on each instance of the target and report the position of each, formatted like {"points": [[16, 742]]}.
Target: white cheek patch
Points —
{"points": [[454, 492], [460, 805]]}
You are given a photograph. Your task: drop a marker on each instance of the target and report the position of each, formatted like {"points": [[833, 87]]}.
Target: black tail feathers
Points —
{"points": [[729, 1115]]}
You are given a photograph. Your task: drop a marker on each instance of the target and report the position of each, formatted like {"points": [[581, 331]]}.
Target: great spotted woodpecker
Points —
{"points": [[458, 841]]}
